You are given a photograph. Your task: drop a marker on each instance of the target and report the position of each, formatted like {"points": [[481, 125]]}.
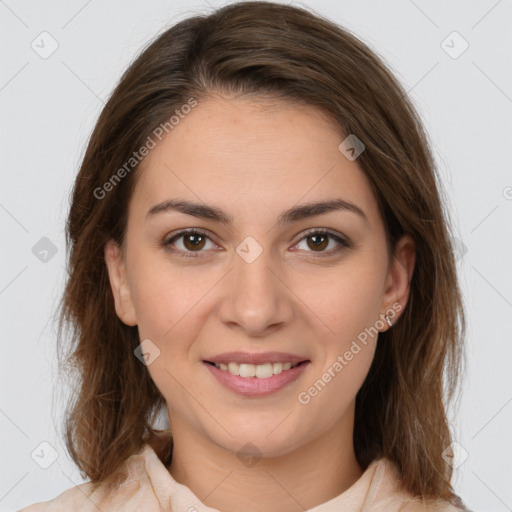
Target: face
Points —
{"points": [[242, 277]]}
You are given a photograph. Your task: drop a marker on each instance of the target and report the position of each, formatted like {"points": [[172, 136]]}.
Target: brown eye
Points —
{"points": [[192, 243], [319, 242]]}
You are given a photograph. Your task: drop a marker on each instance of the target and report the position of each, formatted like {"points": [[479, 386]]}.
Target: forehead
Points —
{"points": [[248, 155]]}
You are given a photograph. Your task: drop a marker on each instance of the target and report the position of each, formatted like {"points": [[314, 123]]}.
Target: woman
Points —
{"points": [[258, 246]]}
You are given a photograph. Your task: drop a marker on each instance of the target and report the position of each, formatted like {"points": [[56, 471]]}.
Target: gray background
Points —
{"points": [[48, 107]]}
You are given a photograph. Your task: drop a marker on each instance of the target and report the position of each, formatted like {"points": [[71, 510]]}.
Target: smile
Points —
{"points": [[256, 380], [260, 371]]}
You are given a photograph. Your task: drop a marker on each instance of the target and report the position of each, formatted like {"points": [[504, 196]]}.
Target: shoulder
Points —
{"points": [[415, 505], [389, 493], [132, 491], [71, 499]]}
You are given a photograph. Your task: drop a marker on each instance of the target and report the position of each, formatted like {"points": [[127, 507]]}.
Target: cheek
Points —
{"points": [[346, 352], [330, 394], [347, 303], [167, 297], [168, 312], [345, 300]]}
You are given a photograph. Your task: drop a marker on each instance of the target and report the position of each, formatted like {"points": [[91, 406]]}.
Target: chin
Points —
{"points": [[264, 439]]}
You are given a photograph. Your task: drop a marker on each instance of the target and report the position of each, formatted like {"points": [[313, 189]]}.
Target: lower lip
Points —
{"points": [[253, 386]]}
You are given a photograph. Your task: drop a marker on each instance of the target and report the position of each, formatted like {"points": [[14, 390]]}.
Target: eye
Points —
{"points": [[194, 240], [318, 240]]}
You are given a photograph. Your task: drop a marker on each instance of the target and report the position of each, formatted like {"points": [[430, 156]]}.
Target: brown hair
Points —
{"points": [[280, 51]]}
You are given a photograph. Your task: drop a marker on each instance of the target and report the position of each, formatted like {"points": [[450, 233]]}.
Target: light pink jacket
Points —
{"points": [[151, 488]]}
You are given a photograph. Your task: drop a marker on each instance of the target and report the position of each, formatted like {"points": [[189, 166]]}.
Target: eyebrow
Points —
{"points": [[294, 214]]}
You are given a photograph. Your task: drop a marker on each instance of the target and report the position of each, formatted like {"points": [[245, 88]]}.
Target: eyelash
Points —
{"points": [[344, 244]]}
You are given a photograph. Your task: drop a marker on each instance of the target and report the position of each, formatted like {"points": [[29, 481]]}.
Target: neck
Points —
{"points": [[303, 478]]}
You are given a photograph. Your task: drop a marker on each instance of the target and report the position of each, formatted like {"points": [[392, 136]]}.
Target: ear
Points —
{"points": [[119, 284], [399, 279]]}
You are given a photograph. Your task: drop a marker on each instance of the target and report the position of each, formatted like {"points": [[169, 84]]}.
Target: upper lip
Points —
{"points": [[256, 358]]}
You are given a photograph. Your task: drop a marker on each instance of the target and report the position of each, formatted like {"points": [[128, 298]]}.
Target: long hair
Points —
{"points": [[288, 53]]}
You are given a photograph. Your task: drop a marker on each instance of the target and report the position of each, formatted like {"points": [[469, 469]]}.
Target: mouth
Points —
{"points": [[256, 380], [259, 371]]}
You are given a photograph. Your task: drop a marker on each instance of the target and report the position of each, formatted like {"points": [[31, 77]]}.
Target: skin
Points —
{"points": [[255, 159]]}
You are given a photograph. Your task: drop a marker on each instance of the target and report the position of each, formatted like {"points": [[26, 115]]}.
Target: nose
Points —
{"points": [[256, 299]]}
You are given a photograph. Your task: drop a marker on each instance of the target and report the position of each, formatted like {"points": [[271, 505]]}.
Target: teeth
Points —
{"points": [[261, 371]]}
